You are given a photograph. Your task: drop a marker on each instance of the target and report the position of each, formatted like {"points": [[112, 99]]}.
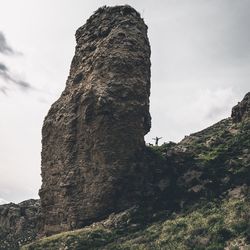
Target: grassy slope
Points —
{"points": [[218, 218], [212, 225]]}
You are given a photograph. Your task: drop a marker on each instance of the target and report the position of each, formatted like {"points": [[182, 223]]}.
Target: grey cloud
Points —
{"points": [[3, 67], [4, 47], [6, 75], [24, 85], [3, 90], [216, 112], [228, 32], [4, 72]]}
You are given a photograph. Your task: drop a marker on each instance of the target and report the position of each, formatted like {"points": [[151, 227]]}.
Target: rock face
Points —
{"points": [[18, 223], [93, 135], [242, 109]]}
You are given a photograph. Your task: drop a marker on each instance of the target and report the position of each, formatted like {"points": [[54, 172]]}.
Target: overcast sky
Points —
{"points": [[200, 69]]}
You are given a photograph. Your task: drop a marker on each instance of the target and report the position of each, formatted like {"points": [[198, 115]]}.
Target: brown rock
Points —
{"points": [[242, 109], [93, 135], [19, 223]]}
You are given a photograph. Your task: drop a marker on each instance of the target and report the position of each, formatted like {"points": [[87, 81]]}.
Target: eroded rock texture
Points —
{"points": [[242, 109], [19, 223], [93, 135]]}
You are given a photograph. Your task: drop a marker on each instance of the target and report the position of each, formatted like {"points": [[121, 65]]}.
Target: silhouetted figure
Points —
{"points": [[157, 140]]}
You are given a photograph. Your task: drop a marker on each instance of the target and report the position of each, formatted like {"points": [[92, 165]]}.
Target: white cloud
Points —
{"points": [[3, 201]]}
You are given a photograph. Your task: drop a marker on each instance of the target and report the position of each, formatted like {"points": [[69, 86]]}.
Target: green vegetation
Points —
{"points": [[209, 225]]}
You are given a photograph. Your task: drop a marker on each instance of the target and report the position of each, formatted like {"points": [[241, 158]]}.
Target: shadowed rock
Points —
{"points": [[93, 135], [19, 223], [242, 109]]}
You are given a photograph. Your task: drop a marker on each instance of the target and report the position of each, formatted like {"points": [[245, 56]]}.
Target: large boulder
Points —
{"points": [[93, 135]]}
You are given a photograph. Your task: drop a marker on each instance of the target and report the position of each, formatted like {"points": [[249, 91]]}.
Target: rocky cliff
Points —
{"points": [[93, 135], [18, 223]]}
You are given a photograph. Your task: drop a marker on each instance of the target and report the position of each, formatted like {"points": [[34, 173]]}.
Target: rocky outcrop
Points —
{"points": [[93, 135], [242, 109], [200, 198], [95, 163], [18, 223]]}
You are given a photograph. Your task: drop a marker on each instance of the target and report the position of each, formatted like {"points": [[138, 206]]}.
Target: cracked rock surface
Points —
{"points": [[18, 223], [93, 135]]}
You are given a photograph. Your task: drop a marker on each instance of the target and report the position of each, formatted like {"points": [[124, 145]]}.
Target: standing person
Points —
{"points": [[157, 140]]}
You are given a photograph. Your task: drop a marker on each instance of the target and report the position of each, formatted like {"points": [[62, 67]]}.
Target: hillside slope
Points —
{"points": [[203, 202]]}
